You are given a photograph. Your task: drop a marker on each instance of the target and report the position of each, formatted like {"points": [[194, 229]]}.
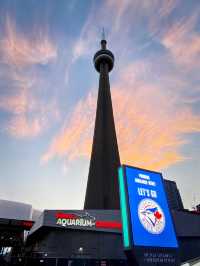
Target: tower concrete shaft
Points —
{"points": [[102, 187]]}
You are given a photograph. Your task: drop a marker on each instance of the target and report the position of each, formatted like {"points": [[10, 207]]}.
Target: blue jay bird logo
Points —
{"points": [[151, 216]]}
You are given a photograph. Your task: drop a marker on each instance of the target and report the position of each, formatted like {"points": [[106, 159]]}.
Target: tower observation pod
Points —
{"points": [[103, 57]]}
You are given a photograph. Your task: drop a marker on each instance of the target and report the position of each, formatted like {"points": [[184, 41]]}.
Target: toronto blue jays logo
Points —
{"points": [[151, 216]]}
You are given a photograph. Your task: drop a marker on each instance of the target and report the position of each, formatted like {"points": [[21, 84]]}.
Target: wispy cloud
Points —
{"points": [[150, 125], [183, 42], [19, 50], [28, 126], [22, 127], [75, 134], [29, 115], [128, 14], [127, 18], [17, 104], [166, 7], [85, 42]]}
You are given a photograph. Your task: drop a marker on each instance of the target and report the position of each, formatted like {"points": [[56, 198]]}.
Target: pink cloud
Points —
{"points": [[126, 14], [183, 42], [22, 127], [19, 50], [150, 124], [14, 104], [29, 116], [32, 124], [166, 7], [75, 134]]}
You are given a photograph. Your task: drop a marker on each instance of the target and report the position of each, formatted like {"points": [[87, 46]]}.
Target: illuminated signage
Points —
{"points": [[75, 220], [27, 224], [84, 220], [146, 217]]}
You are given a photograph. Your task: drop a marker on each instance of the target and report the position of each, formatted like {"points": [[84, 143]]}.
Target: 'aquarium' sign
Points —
{"points": [[68, 219], [85, 220]]}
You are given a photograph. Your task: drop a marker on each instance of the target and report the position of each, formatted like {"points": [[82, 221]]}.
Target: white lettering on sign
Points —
{"points": [[153, 193], [152, 183], [147, 193], [143, 192], [145, 182], [141, 181], [75, 222], [144, 176]]}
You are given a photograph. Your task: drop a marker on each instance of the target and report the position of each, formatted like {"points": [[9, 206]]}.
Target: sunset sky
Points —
{"points": [[48, 93]]}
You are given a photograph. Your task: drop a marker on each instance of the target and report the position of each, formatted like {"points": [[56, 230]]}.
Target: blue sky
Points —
{"points": [[48, 91]]}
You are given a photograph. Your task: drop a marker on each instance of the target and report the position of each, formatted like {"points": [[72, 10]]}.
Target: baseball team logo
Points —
{"points": [[151, 216]]}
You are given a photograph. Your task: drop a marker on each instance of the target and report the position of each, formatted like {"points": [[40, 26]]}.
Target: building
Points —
{"points": [[93, 237], [173, 195], [76, 237], [198, 207], [16, 219]]}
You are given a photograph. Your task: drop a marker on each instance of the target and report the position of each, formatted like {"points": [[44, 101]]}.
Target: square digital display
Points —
{"points": [[146, 209]]}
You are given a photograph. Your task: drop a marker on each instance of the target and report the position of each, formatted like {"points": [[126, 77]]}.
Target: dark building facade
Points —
{"points": [[75, 237], [12, 244], [173, 195], [102, 187], [198, 207], [78, 237]]}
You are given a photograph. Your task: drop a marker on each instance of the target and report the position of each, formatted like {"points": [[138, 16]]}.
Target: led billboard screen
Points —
{"points": [[146, 216]]}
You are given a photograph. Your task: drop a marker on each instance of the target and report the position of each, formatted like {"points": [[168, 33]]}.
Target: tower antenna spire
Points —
{"points": [[103, 40], [103, 34]]}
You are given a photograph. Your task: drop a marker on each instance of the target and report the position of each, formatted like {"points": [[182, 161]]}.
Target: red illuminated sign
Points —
{"points": [[109, 224], [27, 224]]}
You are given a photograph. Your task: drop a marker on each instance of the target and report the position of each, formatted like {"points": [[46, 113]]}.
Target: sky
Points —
{"points": [[48, 94]]}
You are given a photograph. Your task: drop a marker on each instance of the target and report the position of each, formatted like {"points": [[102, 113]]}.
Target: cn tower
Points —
{"points": [[102, 186]]}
